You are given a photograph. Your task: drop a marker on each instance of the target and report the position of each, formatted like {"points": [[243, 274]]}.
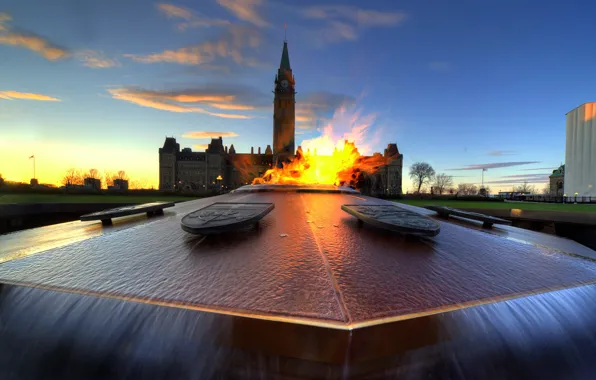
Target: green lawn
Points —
{"points": [[503, 205], [83, 198]]}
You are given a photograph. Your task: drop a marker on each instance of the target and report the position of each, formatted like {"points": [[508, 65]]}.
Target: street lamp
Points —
{"points": [[219, 178]]}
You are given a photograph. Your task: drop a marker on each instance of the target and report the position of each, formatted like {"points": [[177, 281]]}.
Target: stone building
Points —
{"points": [[557, 181], [220, 168]]}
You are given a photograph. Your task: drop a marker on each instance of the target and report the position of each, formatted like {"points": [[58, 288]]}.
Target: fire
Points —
{"points": [[332, 158]]}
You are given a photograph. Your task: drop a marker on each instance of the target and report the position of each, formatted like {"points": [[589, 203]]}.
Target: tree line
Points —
{"points": [[422, 174], [74, 176]]}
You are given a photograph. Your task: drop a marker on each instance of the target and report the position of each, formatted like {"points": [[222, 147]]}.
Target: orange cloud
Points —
{"points": [[123, 94], [34, 43], [228, 46], [192, 18], [245, 10], [96, 59], [208, 135], [200, 146], [9, 95], [168, 101]]}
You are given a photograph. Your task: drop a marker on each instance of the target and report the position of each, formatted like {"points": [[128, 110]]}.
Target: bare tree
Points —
{"points": [[467, 189], [421, 173], [442, 183], [139, 184], [93, 173], [108, 178], [72, 177], [546, 189], [121, 174], [525, 188]]}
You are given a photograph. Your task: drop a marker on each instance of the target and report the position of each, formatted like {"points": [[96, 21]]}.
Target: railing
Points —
{"points": [[552, 199]]}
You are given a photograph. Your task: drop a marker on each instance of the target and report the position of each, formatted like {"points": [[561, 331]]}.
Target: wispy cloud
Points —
{"points": [[191, 18], [440, 66], [4, 18], [34, 43], [10, 95], [541, 175], [205, 100], [247, 10], [96, 59], [313, 109], [208, 135], [200, 146], [345, 23], [28, 40], [495, 165], [498, 153], [538, 169], [230, 45], [519, 180]]}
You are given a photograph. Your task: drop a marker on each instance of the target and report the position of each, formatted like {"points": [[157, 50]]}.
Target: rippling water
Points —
{"points": [[51, 335]]}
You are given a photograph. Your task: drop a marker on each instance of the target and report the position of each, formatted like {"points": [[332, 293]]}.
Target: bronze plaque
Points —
{"points": [[394, 218], [220, 217]]}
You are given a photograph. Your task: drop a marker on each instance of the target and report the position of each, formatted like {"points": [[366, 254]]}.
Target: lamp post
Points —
{"points": [[219, 178], [33, 157]]}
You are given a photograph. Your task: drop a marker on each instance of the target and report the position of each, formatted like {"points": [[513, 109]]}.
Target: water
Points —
{"points": [[52, 335]]}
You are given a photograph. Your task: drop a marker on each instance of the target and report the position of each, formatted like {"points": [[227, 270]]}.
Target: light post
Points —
{"points": [[219, 178], [33, 157]]}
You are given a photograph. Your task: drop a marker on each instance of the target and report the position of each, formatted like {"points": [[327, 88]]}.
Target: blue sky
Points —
{"points": [[453, 83]]}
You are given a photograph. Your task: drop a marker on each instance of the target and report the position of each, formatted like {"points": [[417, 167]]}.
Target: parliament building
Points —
{"points": [[222, 168]]}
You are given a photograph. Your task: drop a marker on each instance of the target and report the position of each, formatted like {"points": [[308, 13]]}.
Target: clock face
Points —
{"points": [[284, 83]]}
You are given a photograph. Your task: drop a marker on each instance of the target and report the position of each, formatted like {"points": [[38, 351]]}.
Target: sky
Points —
{"points": [[461, 85]]}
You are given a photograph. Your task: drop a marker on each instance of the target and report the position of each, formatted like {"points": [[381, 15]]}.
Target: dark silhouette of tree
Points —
{"points": [[442, 183], [1, 180], [93, 173], [121, 174], [421, 173], [467, 189], [108, 178], [526, 188], [72, 177]]}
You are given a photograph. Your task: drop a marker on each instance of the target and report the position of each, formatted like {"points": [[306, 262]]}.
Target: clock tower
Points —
{"points": [[284, 110]]}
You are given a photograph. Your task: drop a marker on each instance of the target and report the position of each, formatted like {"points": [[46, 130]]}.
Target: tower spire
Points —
{"points": [[285, 58], [285, 31]]}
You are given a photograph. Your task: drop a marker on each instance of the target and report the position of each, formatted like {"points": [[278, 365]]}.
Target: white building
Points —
{"points": [[580, 151]]}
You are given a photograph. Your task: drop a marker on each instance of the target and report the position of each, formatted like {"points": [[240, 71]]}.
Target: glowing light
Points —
{"points": [[332, 158]]}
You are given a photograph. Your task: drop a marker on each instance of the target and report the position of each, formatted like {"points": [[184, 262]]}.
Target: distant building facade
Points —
{"points": [[580, 143], [119, 184], [557, 182], [220, 168], [92, 183]]}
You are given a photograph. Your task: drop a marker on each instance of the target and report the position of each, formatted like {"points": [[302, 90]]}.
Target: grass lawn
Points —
{"points": [[503, 205], [84, 198]]}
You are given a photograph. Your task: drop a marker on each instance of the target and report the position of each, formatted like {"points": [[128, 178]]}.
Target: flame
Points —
{"points": [[332, 158]]}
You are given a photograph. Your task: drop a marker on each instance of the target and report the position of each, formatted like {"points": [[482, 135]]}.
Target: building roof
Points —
{"points": [[559, 172], [170, 145], [580, 106], [285, 58]]}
